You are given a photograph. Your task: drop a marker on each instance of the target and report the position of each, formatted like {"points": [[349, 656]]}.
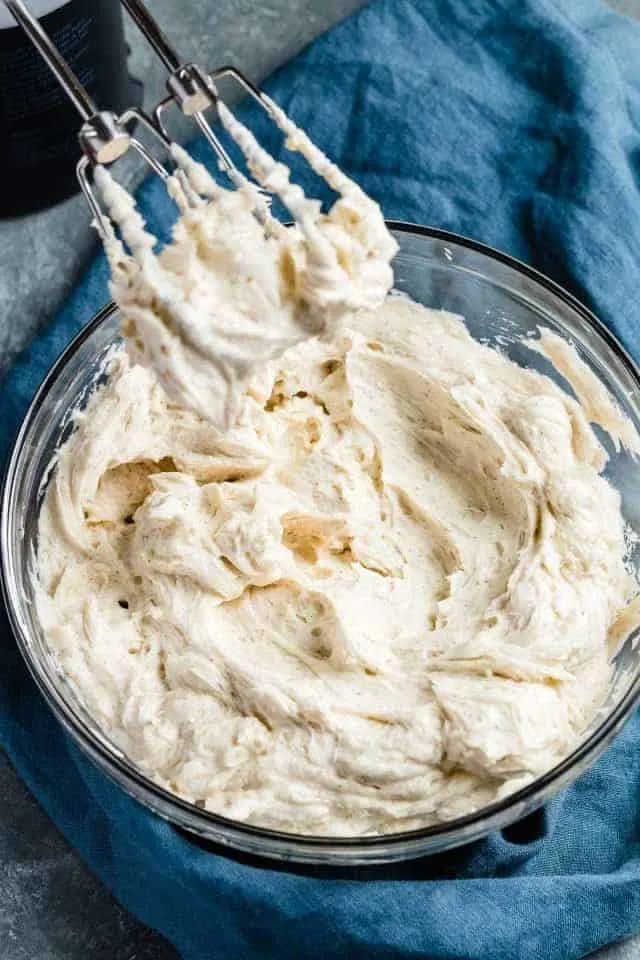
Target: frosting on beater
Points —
{"points": [[236, 288]]}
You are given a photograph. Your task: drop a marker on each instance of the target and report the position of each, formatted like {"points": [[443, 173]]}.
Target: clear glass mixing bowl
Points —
{"points": [[502, 301]]}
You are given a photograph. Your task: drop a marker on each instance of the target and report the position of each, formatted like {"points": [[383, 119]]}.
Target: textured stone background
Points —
{"points": [[51, 906]]}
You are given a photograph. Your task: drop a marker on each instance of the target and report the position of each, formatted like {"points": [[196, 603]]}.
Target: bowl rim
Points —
{"points": [[118, 767]]}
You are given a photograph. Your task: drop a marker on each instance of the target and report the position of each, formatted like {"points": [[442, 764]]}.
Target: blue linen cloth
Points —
{"points": [[516, 122]]}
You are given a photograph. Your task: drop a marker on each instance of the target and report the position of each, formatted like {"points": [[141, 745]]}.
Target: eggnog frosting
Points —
{"points": [[313, 557], [380, 600]]}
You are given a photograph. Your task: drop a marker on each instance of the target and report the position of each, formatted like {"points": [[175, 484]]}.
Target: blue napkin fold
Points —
{"points": [[516, 122]]}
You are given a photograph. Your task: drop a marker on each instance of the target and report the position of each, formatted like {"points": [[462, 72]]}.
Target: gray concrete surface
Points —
{"points": [[630, 8], [51, 906]]}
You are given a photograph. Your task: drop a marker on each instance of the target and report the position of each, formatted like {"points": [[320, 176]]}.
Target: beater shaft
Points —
{"points": [[57, 64], [152, 31], [101, 135]]}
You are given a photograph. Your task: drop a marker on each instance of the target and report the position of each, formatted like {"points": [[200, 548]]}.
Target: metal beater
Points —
{"points": [[105, 137]]}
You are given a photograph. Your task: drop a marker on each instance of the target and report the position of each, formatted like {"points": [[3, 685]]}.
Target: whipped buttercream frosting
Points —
{"points": [[382, 599], [313, 557]]}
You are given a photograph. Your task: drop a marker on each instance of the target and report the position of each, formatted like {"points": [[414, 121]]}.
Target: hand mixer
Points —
{"points": [[319, 271], [105, 137]]}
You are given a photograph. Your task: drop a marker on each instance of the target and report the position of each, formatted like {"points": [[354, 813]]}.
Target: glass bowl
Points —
{"points": [[502, 301]]}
